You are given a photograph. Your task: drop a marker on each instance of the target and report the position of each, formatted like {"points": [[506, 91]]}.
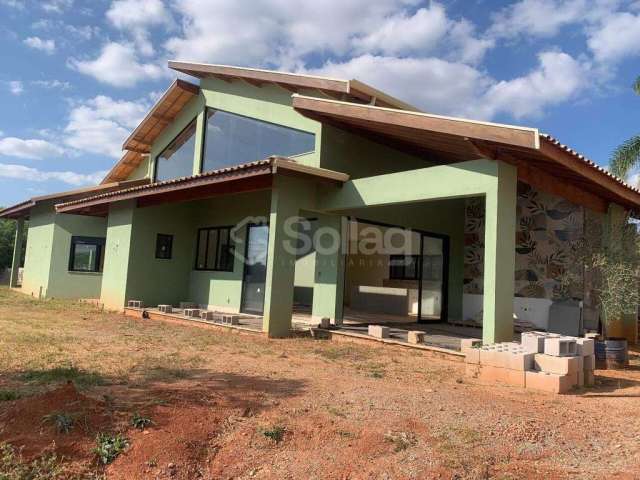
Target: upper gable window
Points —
{"points": [[176, 160], [232, 139]]}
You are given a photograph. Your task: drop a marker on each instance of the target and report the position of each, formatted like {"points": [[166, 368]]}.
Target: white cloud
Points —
{"points": [[119, 66], [16, 87], [17, 4], [557, 78], [101, 124], [34, 149], [538, 18], [616, 37], [454, 88], [136, 17], [51, 84], [56, 6], [23, 173], [37, 43]]}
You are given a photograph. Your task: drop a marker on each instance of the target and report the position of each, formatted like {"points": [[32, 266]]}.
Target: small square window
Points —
{"points": [[86, 254], [164, 245]]}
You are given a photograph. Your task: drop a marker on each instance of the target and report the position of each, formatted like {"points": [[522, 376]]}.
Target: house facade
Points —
{"points": [[268, 193]]}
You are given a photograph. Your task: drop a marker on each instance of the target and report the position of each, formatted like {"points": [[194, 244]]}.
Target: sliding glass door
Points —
{"points": [[255, 269], [432, 291]]}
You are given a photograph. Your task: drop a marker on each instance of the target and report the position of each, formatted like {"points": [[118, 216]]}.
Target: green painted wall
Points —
{"points": [[222, 290], [116, 261], [37, 262], [62, 282], [141, 171], [359, 157]]}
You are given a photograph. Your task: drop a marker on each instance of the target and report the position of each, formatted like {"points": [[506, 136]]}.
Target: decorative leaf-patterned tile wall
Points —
{"points": [[546, 227]]}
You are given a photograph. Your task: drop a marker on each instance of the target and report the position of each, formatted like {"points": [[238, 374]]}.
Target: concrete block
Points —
{"points": [[165, 308], [532, 342], [231, 319], [560, 346], [557, 365], [505, 376], [379, 331], [549, 382], [134, 304], [208, 316], [325, 322], [589, 378], [192, 312], [471, 355], [589, 362], [184, 305], [415, 336], [520, 361], [489, 356], [586, 346], [470, 343]]}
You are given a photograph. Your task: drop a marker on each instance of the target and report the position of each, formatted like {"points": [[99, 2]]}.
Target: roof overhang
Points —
{"points": [[541, 160], [138, 143], [241, 178], [23, 209], [353, 90]]}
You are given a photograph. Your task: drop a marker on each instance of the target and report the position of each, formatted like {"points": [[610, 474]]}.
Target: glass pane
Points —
{"points": [[432, 274], [255, 272], [177, 159], [202, 250], [84, 258], [212, 248], [233, 139], [225, 253]]}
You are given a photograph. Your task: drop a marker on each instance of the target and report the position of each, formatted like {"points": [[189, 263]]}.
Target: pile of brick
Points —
{"points": [[543, 361]]}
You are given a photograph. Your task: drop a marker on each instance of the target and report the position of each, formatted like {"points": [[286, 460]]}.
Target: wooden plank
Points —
{"points": [[418, 122]]}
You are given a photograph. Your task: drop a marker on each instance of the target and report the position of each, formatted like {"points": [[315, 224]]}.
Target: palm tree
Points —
{"points": [[627, 155]]}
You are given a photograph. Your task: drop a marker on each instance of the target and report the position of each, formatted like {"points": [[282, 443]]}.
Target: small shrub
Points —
{"points": [[62, 421], [275, 433], [401, 440], [79, 377], [140, 422], [13, 467], [8, 395], [109, 446]]}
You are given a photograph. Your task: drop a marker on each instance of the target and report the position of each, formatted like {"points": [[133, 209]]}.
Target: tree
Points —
{"points": [[7, 237], [627, 155]]}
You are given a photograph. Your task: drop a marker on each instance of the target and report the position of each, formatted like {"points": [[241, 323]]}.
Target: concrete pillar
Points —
{"points": [[16, 261], [288, 196], [328, 287], [499, 256]]}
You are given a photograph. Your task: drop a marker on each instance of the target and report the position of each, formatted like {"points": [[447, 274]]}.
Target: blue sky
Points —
{"points": [[78, 75]]}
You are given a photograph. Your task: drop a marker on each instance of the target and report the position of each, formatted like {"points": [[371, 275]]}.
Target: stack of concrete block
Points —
{"points": [[542, 361], [165, 308], [378, 331], [586, 349], [228, 319], [134, 304], [504, 362], [192, 312], [208, 316]]}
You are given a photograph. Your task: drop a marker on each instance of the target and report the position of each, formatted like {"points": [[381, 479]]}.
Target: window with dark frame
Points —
{"points": [[214, 249], [86, 254], [403, 267], [164, 246]]}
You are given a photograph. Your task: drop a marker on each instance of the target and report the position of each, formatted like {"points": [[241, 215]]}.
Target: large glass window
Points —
{"points": [[214, 250], [232, 139], [86, 254], [176, 160]]}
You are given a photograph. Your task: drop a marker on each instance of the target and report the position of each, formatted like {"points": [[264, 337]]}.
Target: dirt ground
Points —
{"points": [[225, 405]]}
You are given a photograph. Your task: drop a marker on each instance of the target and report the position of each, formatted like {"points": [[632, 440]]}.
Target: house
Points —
{"points": [[275, 194]]}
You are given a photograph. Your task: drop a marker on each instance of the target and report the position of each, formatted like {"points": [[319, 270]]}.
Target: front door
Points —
{"points": [[255, 269], [432, 281]]}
